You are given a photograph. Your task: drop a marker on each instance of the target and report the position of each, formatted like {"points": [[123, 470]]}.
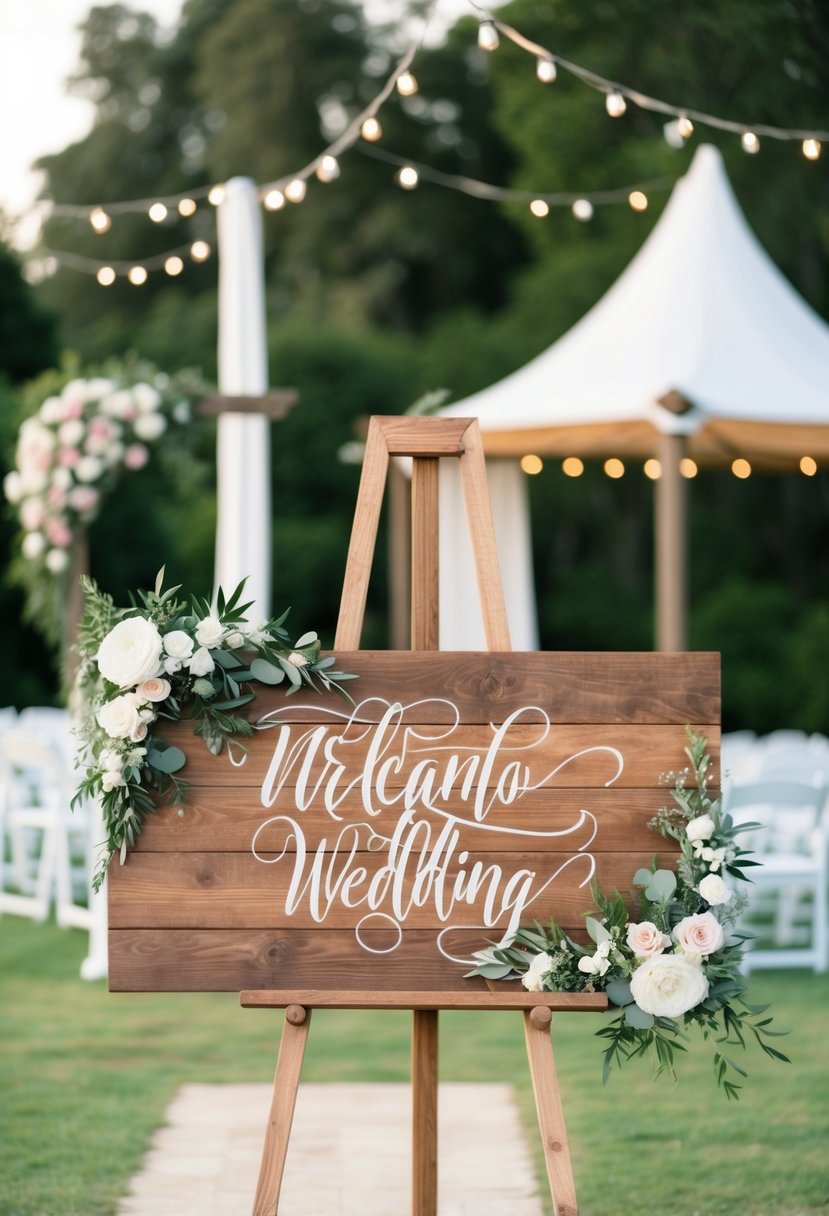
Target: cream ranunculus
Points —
{"points": [[668, 986], [178, 644], [130, 653], [209, 632], [701, 828], [157, 689], [120, 718], [713, 890], [201, 663], [701, 934], [533, 977], [645, 940]]}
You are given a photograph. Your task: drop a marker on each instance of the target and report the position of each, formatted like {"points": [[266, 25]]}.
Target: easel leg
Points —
{"points": [[549, 1110], [425, 1112], [278, 1131]]}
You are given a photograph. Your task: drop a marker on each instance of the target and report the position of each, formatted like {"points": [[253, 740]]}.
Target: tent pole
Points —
{"points": [[671, 547]]}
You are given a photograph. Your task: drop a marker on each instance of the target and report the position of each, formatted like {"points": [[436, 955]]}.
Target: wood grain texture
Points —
{"points": [[554, 1142], [281, 1114]]}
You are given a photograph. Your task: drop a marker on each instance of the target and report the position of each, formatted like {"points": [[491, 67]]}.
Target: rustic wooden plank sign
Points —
{"points": [[372, 847]]}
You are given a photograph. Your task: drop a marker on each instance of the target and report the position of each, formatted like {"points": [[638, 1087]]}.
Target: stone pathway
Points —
{"points": [[350, 1153]]}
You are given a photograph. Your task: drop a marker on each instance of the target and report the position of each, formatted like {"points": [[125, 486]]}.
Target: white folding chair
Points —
{"points": [[793, 848]]}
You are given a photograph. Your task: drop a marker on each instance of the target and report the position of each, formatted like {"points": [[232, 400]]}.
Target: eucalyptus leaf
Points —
{"points": [[661, 886], [492, 971], [596, 930], [642, 877], [637, 1018], [618, 992], [166, 760], [306, 639], [265, 672]]}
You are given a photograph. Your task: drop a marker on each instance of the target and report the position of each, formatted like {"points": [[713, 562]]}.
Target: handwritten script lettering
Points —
{"points": [[425, 798]]}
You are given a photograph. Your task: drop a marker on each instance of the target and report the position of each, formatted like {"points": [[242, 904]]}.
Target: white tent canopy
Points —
{"points": [[700, 347]]}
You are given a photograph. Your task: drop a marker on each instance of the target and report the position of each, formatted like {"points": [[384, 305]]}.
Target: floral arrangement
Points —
{"points": [[678, 964], [166, 659], [70, 452]]}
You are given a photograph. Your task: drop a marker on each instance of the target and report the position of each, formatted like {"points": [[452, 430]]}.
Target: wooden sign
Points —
{"points": [[369, 849]]}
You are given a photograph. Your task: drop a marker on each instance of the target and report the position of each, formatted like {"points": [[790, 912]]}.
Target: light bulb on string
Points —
{"points": [[582, 210], [808, 465], [99, 219], [105, 276], [688, 467], [545, 69], [274, 200], [174, 265], [187, 207], [652, 469], [531, 464], [137, 275], [614, 468], [407, 177], [295, 190], [741, 468], [539, 208], [371, 130], [328, 169], [216, 195], [406, 84], [157, 213], [811, 148], [615, 104], [750, 142], [488, 39], [200, 251], [571, 466], [684, 126], [638, 200]]}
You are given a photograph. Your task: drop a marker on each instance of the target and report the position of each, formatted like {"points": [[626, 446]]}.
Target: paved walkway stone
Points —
{"points": [[350, 1153]]}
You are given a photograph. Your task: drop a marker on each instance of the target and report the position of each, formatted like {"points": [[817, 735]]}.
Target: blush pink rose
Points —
{"points": [[701, 934], [68, 457], [58, 533], [156, 689], [645, 940], [136, 456]]}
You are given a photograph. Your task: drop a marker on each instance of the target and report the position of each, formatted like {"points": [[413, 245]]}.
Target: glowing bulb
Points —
{"points": [[174, 265], [808, 466], [137, 275], [328, 169], [200, 251], [406, 84], [488, 39], [750, 142], [371, 130], [614, 468], [539, 208], [531, 465], [811, 148], [653, 469], [99, 219], [545, 70], [684, 126], [295, 190], [582, 209], [741, 468], [407, 177], [638, 200], [572, 466], [186, 206], [216, 195], [615, 104], [106, 277], [688, 467], [157, 213], [274, 200]]}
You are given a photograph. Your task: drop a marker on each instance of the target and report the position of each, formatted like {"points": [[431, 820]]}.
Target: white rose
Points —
{"points": [[130, 653], [71, 433], [701, 828], [146, 398], [13, 486], [596, 964], [150, 426], [234, 640], [178, 644], [533, 977], [701, 934], [713, 890], [645, 940], [209, 632], [52, 410], [110, 780], [201, 663], [62, 478], [98, 387], [33, 545], [57, 560], [111, 760], [88, 468], [668, 985], [153, 690], [120, 718]]}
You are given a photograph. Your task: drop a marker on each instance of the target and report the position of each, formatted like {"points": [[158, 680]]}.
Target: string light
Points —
{"points": [[531, 464], [371, 130], [741, 468], [187, 207], [295, 190], [653, 469], [328, 169], [808, 466], [811, 148], [572, 466], [158, 213], [406, 84], [638, 200], [174, 265], [545, 69], [105, 276], [684, 126], [614, 468], [582, 209], [488, 39], [137, 275], [216, 195], [106, 273], [274, 200], [539, 208], [615, 104], [100, 220], [407, 177], [688, 467], [200, 251], [750, 142]]}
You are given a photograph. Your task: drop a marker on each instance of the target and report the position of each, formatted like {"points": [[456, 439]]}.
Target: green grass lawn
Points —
{"points": [[85, 1077]]}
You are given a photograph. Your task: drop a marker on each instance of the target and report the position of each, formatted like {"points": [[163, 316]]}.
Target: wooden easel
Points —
{"points": [[425, 440]]}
